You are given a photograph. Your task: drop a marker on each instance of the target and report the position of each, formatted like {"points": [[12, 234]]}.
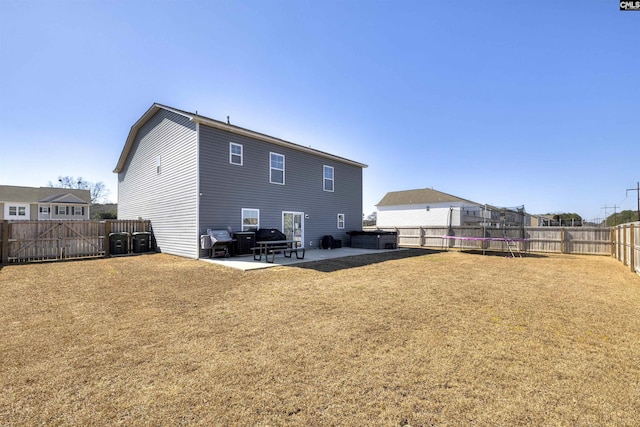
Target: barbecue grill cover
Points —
{"points": [[269, 234], [205, 241], [220, 236]]}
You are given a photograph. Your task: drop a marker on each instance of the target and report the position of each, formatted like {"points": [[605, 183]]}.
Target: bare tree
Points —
{"points": [[98, 190]]}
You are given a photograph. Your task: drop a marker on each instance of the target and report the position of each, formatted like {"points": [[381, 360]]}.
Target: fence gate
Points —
{"points": [[54, 240]]}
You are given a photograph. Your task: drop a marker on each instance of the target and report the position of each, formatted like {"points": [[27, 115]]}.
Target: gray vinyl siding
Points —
{"points": [[168, 199], [226, 188]]}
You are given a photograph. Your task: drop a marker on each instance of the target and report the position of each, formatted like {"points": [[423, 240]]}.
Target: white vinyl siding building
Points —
{"points": [[428, 207]]}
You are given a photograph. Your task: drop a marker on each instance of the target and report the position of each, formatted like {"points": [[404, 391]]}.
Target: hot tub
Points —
{"points": [[375, 239]]}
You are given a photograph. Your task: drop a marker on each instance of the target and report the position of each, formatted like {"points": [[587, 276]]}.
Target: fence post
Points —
{"points": [[107, 231], [562, 243], [624, 245], [632, 249], [5, 242]]}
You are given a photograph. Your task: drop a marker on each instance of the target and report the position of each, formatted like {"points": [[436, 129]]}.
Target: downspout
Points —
{"points": [[452, 242], [198, 195]]}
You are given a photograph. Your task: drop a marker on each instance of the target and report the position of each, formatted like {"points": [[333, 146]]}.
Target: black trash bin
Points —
{"points": [[141, 241], [118, 243]]}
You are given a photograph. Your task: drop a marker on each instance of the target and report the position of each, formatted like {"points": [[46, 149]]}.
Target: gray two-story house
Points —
{"points": [[188, 173]]}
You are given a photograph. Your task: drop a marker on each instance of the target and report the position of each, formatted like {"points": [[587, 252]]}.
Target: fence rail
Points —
{"points": [[567, 240], [51, 240]]}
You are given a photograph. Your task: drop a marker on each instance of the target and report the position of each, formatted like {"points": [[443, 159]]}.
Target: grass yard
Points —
{"points": [[407, 338]]}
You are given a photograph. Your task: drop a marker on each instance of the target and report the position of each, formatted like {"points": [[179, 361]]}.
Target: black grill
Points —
{"points": [[219, 241]]}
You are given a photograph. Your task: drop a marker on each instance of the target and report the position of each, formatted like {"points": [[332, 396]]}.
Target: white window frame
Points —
{"points": [[325, 180], [272, 168], [16, 211], [77, 210], [59, 208], [44, 212], [233, 145], [341, 221], [250, 227]]}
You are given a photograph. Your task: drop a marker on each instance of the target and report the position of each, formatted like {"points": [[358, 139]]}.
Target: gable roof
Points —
{"points": [[196, 118], [63, 198], [419, 196], [17, 194]]}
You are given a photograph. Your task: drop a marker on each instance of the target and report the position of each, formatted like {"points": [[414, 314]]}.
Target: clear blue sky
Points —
{"points": [[509, 103]]}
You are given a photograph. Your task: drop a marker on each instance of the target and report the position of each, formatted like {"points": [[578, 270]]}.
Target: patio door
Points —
{"points": [[293, 226]]}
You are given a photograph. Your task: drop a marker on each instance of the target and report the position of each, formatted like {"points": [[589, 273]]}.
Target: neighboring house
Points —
{"points": [[188, 173], [42, 203], [544, 220], [428, 207]]}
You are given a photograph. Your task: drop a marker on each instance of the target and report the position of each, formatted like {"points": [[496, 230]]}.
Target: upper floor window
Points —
{"points": [[250, 219], [340, 221], [327, 178], [235, 153], [276, 168]]}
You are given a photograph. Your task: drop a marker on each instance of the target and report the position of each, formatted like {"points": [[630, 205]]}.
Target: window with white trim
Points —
{"points": [[235, 154], [61, 210], [44, 209], [340, 221], [327, 177], [276, 168], [16, 211], [250, 219], [78, 210]]}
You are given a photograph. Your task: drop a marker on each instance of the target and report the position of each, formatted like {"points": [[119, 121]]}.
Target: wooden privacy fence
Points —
{"points": [[626, 245], [565, 240], [51, 240]]}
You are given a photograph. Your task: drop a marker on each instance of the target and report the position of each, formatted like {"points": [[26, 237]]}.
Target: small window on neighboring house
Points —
{"points": [[158, 165], [44, 209], [235, 154], [22, 211], [13, 210], [328, 178], [61, 210], [250, 219], [78, 210], [340, 221], [276, 168]]}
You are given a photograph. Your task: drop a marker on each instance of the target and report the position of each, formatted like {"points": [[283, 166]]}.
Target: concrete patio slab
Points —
{"points": [[246, 262]]}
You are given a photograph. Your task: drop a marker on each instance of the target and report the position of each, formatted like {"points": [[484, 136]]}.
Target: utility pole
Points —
{"points": [[637, 190], [614, 207]]}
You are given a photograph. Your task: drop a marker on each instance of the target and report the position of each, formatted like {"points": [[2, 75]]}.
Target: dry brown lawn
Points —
{"points": [[409, 338]]}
